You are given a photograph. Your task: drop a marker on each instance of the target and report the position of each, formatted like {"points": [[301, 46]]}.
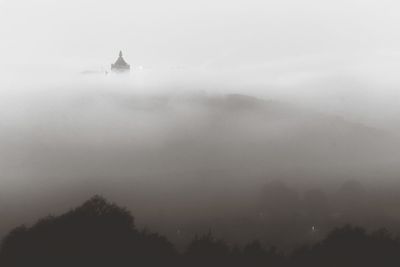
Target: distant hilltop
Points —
{"points": [[120, 65]]}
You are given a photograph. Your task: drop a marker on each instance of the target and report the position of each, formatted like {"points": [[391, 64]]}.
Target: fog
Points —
{"points": [[229, 107]]}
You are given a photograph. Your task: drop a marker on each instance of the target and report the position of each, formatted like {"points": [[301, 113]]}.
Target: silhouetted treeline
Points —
{"points": [[95, 234], [99, 233]]}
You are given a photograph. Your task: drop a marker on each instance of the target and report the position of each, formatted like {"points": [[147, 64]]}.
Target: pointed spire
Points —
{"points": [[120, 65]]}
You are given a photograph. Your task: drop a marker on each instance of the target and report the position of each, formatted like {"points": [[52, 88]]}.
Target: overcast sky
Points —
{"points": [[206, 33]]}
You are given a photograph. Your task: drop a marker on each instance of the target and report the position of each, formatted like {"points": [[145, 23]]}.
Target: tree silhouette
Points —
{"points": [[207, 251], [351, 246], [255, 255], [97, 233]]}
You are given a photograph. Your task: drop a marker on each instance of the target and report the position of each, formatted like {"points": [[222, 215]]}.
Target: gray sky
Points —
{"points": [[343, 56], [207, 33]]}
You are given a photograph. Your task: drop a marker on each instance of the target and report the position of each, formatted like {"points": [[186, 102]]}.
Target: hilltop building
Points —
{"points": [[120, 65]]}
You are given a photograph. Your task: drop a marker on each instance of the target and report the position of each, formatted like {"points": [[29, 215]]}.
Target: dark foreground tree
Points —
{"points": [[207, 251], [97, 233], [100, 234], [351, 246], [255, 255]]}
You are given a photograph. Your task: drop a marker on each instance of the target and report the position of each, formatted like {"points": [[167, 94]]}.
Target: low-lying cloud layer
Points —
{"points": [[185, 153]]}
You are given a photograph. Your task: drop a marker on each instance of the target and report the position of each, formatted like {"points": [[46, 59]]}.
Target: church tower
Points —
{"points": [[120, 65]]}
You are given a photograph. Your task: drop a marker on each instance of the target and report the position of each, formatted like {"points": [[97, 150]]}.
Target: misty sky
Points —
{"points": [[344, 55], [206, 33]]}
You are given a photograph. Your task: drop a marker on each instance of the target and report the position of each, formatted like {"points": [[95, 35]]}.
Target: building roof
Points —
{"points": [[120, 64]]}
